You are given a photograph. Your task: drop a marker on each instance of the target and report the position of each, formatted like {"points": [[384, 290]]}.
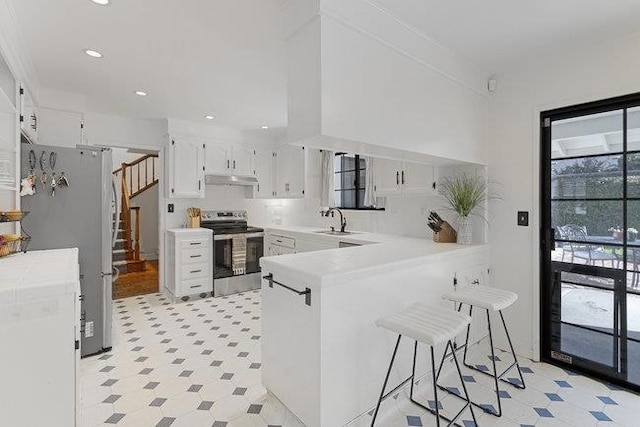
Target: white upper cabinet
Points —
{"points": [[387, 177], [28, 115], [218, 158], [243, 161], [396, 177], [264, 174], [418, 178], [186, 168], [226, 159], [290, 172]]}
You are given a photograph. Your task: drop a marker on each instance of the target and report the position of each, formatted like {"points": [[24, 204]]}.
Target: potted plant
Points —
{"points": [[616, 232], [464, 192]]}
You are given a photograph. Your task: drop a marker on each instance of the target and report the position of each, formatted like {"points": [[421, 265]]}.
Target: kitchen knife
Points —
{"points": [[437, 217]]}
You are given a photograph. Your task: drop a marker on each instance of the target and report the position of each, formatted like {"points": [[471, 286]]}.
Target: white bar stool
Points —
{"points": [[491, 300], [432, 326]]}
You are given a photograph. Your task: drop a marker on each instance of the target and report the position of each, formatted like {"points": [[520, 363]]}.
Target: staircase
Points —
{"points": [[135, 178]]}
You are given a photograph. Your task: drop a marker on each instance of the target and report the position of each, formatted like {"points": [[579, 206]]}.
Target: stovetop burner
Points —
{"points": [[227, 222]]}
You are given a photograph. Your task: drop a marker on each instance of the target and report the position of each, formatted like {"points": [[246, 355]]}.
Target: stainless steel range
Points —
{"points": [[237, 249]]}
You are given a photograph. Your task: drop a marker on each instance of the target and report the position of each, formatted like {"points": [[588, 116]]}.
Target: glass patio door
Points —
{"points": [[590, 301]]}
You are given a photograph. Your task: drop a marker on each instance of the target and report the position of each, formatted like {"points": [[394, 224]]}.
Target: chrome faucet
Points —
{"points": [[343, 220]]}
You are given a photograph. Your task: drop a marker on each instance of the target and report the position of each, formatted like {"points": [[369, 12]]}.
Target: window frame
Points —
{"points": [[358, 186]]}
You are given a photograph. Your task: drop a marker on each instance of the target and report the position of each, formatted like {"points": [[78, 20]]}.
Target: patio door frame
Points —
{"points": [[550, 271]]}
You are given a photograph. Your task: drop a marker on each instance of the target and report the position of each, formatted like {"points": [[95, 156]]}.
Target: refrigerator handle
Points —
{"points": [[116, 220]]}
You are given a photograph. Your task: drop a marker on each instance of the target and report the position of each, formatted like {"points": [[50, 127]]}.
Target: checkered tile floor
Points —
{"points": [[194, 363], [553, 397], [197, 364]]}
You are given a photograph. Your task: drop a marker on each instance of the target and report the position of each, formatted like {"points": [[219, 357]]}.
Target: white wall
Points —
{"points": [[600, 72], [376, 94], [148, 203], [404, 215], [362, 78]]}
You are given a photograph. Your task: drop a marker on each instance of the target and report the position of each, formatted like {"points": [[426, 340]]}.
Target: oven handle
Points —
{"points": [[306, 292], [230, 236]]}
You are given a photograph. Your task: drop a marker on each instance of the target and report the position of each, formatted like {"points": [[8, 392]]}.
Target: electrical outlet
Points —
{"points": [[170, 208], [88, 329]]}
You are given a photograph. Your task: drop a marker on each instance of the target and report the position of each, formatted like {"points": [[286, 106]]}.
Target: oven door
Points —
{"points": [[255, 250], [223, 251], [222, 259]]}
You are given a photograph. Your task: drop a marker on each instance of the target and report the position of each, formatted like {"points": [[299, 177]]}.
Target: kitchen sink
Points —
{"points": [[335, 232]]}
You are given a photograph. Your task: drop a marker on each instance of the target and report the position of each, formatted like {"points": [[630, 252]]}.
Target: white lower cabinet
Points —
{"points": [[277, 244], [189, 261], [283, 243], [40, 335]]}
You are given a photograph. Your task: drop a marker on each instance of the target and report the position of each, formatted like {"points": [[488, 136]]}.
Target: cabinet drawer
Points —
{"points": [[287, 242], [190, 287], [196, 271], [194, 243], [198, 254]]}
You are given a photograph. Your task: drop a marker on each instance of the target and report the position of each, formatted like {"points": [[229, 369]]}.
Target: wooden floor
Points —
{"points": [[137, 283]]}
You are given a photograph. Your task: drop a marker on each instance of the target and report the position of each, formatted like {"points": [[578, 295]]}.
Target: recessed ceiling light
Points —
{"points": [[209, 117], [101, 2], [141, 93], [264, 127], [93, 53]]}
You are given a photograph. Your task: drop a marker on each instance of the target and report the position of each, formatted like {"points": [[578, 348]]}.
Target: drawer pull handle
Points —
{"points": [[306, 292], [279, 241], [196, 271], [195, 256], [195, 286], [195, 243]]}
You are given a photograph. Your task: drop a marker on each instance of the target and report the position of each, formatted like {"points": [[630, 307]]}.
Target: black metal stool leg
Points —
{"points": [[435, 389], [464, 387], [515, 359], [466, 341], [495, 371], [386, 379]]}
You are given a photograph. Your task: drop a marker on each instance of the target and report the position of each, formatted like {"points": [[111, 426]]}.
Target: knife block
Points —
{"points": [[446, 235]]}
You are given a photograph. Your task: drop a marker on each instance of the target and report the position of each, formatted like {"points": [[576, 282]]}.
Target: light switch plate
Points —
{"points": [[170, 207], [523, 218]]}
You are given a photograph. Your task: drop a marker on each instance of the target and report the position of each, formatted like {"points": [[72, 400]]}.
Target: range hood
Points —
{"points": [[230, 180]]}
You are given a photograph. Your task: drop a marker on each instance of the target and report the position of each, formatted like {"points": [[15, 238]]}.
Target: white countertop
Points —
{"points": [[380, 252], [189, 230], [38, 274]]}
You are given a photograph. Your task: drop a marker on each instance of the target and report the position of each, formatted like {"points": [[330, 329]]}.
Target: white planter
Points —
{"points": [[465, 235]]}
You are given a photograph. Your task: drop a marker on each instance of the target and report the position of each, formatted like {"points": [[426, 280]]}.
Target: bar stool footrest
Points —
{"points": [[477, 405], [451, 421], [489, 374]]}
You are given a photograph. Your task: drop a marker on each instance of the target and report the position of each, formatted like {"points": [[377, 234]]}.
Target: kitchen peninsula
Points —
{"points": [[40, 333], [323, 356]]}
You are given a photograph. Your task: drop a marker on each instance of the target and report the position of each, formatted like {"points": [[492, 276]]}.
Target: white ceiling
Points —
{"points": [[193, 57], [502, 35], [226, 57]]}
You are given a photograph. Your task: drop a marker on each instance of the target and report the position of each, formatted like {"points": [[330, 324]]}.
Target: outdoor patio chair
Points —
{"points": [[579, 248]]}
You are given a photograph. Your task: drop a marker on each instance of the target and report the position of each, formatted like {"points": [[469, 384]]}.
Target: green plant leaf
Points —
{"points": [[464, 192]]}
